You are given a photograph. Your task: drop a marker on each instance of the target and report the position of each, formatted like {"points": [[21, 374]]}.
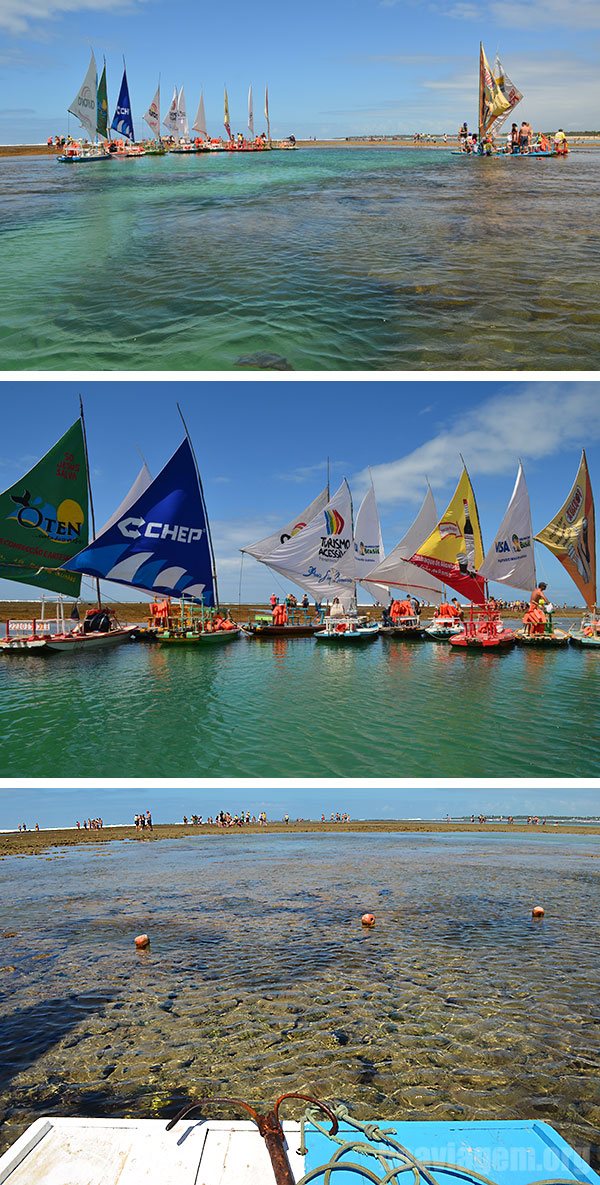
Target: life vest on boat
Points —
{"points": [[400, 609], [446, 610], [535, 618], [228, 625], [280, 615]]}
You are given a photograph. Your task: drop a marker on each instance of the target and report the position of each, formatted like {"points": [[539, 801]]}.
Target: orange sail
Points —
{"points": [[453, 552], [571, 535], [492, 102]]}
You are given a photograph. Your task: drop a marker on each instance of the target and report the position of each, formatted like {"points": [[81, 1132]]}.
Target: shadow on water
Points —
{"points": [[28, 1033]]}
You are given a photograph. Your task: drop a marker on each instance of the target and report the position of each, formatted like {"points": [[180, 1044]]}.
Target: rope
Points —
{"points": [[422, 1172]]}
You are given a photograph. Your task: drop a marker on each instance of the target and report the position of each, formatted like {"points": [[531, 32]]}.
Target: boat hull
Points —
{"points": [[216, 639], [551, 641], [84, 160], [501, 641], [443, 633], [585, 640], [402, 631], [348, 637], [282, 631], [78, 643]]}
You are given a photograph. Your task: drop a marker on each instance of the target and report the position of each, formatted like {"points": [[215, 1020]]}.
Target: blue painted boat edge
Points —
{"points": [[439, 1131]]}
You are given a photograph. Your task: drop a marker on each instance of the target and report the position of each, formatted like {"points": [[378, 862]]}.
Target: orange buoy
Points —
{"points": [[142, 941], [368, 919], [537, 911]]}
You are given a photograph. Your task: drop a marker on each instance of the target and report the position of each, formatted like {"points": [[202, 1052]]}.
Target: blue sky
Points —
{"points": [[56, 807], [262, 451], [333, 68]]}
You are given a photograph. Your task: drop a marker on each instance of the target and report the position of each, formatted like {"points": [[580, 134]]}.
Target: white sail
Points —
{"points": [[182, 119], [250, 111], [510, 560], [511, 93], [199, 124], [171, 120], [395, 569], [368, 544], [152, 116], [295, 525], [267, 115], [320, 558], [139, 487], [85, 103]]}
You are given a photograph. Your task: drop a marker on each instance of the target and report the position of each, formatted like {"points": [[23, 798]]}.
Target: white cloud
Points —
{"points": [[528, 14], [16, 17], [531, 422]]}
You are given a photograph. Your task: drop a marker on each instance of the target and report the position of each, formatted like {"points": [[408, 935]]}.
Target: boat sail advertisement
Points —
{"points": [[320, 558], [453, 552], [570, 535], [44, 518]]}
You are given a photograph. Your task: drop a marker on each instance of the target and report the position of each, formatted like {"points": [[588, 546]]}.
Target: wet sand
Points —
{"points": [[31, 843]]}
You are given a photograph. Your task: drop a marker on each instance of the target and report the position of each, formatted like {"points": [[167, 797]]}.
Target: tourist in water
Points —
{"points": [[525, 136], [560, 143], [463, 136], [514, 138]]}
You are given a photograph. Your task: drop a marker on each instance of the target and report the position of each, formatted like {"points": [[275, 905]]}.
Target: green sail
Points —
{"points": [[102, 106], [44, 518]]}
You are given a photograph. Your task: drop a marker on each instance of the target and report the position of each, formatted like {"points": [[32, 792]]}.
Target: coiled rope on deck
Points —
{"points": [[423, 1172]]}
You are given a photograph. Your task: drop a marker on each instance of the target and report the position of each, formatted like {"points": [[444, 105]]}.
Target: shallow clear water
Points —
{"points": [[321, 259], [260, 978], [300, 709]]}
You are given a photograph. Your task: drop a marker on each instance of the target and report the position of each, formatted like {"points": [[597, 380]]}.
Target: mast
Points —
{"points": [[89, 486], [206, 519]]}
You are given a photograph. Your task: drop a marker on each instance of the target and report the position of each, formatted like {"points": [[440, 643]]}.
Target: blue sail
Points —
{"points": [[123, 120], [161, 542]]}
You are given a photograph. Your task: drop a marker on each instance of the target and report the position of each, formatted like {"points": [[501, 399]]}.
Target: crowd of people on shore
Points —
{"points": [[143, 821], [531, 819], [90, 825], [226, 819]]}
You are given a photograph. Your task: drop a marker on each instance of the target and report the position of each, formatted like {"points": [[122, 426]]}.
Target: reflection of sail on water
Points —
{"points": [[453, 552], [44, 518], [396, 569], [161, 542], [511, 559], [571, 535], [320, 558]]}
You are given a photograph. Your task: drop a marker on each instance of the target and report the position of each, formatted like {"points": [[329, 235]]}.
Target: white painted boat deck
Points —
{"points": [[58, 1151]]}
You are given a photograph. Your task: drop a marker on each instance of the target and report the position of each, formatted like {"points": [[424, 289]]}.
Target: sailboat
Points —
{"points": [[45, 523], [396, 571], [152, 118], [321, 559], [498, 97], [571, 537], [122, 124], [161, 543], [294, 622], [85, 108]]}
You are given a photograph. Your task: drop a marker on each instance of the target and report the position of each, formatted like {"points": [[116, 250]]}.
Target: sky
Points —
{"points": [[262, 452], [334, 68], [57, 807]]}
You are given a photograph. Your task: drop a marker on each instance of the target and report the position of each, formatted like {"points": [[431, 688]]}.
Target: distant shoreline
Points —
{"points": [[32, 843], [575, 141]]}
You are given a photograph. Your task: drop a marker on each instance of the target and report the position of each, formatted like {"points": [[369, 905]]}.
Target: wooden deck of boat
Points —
{"points": [[57, 1151]]}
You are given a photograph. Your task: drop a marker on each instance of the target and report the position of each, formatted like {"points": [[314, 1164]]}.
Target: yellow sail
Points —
{"points": [[492, 102], [571, 535], [453, 552]]}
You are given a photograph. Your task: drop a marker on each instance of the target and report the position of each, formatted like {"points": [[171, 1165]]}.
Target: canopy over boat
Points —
{"points": [[571, 535], [396, 569], [511, 558], [44, 518], [320, 558], [453, 552], [161, 544]]}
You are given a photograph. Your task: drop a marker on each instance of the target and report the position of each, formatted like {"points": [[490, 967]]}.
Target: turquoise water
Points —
{"points": [[300, 709], [260, 978], [315, 259]]}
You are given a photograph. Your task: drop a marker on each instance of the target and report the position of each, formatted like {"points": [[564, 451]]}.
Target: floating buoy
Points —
{"points": [[537, 911], [368, 919], [142, 941]]}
